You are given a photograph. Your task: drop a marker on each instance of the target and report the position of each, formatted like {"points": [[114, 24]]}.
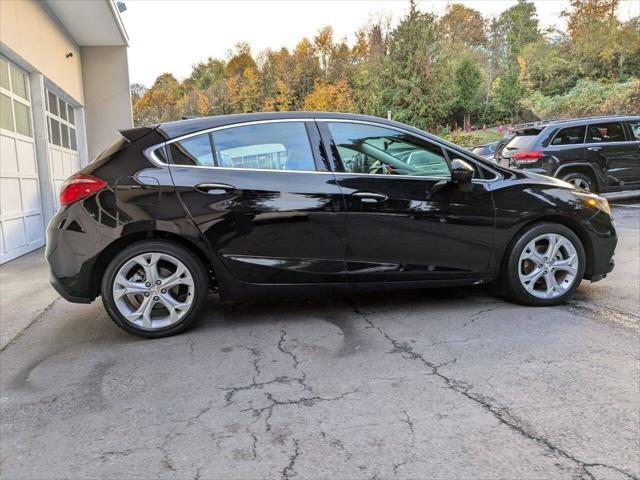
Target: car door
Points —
{"points": [[607, 146], [405, 220], [263, 197], [634, 136]]}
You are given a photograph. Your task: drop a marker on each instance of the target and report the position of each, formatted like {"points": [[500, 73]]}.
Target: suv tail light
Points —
{"points": [[79, 187], [525, 157]]}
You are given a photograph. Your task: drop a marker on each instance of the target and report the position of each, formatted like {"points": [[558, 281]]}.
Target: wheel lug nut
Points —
{"points": [[146, 294], [148, 284], [164, 290], [156, 298], [158, 282]]}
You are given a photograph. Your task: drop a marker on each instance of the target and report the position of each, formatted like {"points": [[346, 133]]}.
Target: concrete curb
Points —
{"points": [[626, 195]]}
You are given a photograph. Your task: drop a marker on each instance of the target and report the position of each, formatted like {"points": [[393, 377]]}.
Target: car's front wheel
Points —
{"points": [[154, 288], [543, 265]]}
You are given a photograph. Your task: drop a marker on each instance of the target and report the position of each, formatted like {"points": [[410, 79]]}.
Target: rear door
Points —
{"points": [[608, 146], [405, 221], [634, 136], [265, 200]]}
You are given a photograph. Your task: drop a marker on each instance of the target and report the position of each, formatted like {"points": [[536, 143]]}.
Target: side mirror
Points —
{"points": [[461, 171]]}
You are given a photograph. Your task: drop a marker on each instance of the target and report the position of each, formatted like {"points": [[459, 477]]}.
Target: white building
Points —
{"points": [[64, 91]]}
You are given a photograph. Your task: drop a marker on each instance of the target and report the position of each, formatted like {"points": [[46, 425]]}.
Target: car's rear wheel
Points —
{"points": [[544, 265], [580, 180], [154, 288]]}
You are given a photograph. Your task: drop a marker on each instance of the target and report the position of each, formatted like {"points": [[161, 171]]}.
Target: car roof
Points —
{"points": [[192, 125], [567, 122]]}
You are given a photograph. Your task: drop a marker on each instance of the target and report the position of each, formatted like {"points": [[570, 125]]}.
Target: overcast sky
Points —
{"points": [[172, 35]]}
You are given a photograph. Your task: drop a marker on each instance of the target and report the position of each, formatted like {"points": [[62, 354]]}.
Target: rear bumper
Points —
{"points": [[69, 296]]}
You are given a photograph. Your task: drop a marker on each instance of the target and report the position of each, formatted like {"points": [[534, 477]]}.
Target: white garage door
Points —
{"points": [[63, 143], [21, 219]]}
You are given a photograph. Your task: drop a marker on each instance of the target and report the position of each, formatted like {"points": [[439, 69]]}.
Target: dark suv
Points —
{"points": [[279, 203], [597, 154]]}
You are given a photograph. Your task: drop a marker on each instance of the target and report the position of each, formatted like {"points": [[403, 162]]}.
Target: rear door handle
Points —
{"points": [[214, 188], [369, 197], [594, 149]]}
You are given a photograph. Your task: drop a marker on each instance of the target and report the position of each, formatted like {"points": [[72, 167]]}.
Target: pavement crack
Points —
{"points": [[408, 421], [501, 414], [476, 315], [232, 391], [288, 471], [304, 402]]}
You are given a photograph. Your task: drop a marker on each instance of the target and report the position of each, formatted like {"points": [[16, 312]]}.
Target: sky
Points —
{"points": [[172, 35]]}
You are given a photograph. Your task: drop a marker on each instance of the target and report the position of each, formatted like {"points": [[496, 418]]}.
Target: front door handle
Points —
{"points": [[369, 197], [214, 188], [594, 149]]}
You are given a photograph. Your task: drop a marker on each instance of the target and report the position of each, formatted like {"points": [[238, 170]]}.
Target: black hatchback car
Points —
{"points": [[284, 203], [599, 154]]}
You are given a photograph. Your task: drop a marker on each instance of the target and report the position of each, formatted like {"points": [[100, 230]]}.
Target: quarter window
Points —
{"points": [[266, 146], [569, 136], [606, 132], [635, 130], [376, 150]]}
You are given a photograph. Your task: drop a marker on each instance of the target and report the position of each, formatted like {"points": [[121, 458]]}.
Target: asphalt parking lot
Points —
{"points": [[440, 384]]}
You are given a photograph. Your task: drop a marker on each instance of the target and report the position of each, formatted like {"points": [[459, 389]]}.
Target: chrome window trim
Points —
{"points": [[150, 151]]}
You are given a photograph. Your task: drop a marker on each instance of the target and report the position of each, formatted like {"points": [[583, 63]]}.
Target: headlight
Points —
{"points": [[594, 201]]}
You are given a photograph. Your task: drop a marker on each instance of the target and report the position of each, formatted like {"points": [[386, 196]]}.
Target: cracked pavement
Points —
{"points": [[431, 383]]}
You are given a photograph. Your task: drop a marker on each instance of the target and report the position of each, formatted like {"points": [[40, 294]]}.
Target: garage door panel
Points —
{"points": [[21, 217], [34, 228], [30, 195], [26, 158], [14, 234], [9, 163], [10, 204], [57, 161]]}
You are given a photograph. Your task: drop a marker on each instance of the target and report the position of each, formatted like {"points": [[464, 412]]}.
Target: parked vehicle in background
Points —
{"points": [[486, 151], [303, 202], [598, 154]]}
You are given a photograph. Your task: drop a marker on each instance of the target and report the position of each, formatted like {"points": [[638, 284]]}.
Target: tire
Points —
{"points": [[527, 276], [154, 311], [581, 180]]}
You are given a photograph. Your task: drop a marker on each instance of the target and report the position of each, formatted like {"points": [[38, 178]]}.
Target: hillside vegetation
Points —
{"points": [[438, 73]]}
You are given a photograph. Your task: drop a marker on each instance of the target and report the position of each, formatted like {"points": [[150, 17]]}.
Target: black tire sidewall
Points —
{"points": [[515, 288], [198, 273]]}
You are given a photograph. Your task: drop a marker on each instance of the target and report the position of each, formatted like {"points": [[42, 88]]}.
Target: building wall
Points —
{"points": [[29, 31], [105, 74]]}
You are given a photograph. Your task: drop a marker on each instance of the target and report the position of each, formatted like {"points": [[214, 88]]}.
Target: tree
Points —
{"points": [[468, 79], [519, 25], [330, 97], [239, 61], [205, 74], [324, 46], [507, 93], [415, 84], [583, 13], [461, 24], [159, 103], [306, 71]]}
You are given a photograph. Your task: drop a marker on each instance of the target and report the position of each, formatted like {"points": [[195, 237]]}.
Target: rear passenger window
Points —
{"points": [[266, 146], [606, 132], [569, 136]]}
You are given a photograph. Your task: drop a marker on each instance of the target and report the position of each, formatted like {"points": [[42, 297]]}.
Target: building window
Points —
{"points": [[61, 122], [15, 108]]}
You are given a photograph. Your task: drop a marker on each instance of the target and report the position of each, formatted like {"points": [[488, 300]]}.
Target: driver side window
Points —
{"points": [[376, 150]]}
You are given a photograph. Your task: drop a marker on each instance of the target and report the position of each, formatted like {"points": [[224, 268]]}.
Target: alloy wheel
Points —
{"points": [[153, 290], [580, 183], [548, 266]]}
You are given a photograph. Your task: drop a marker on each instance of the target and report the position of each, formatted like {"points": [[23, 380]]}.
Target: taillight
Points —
{"points": [[79, 187], [527, 156]]}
